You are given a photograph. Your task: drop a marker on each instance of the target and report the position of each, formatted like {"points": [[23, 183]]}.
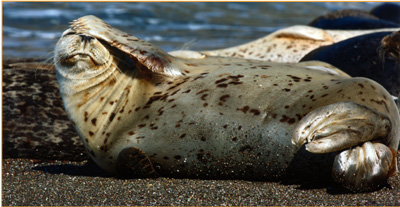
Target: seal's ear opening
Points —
{"points": [[145, 55]]}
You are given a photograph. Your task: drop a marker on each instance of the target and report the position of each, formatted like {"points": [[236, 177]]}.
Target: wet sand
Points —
{"points": [[34, 182]]}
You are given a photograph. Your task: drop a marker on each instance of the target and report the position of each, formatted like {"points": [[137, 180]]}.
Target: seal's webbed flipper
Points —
{"points": [[366, 162], [134, 163]]}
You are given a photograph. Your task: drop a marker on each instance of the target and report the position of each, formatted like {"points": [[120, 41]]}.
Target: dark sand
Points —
{"points": [[31, 182]]}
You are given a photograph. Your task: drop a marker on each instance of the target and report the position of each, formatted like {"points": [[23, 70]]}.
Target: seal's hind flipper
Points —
{"points": [[134, 163], [366, 167], [366, 161]]}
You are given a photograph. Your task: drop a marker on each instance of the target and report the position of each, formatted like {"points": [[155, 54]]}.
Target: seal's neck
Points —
{"points": [[95, 105]]}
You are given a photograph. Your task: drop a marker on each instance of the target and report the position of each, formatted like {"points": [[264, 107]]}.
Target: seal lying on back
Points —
{"points": [[140, 112]]}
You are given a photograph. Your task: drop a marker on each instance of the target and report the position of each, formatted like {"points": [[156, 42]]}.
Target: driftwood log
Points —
{"points": [[34, 121]]}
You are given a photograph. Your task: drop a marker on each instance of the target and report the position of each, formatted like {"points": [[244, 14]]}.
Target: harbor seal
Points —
{"points": [[351, 19], [389, 11], [142, 112], [374, 56], [286, 45]]}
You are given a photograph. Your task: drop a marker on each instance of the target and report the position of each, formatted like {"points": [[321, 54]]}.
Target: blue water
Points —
{"points": [[32, 29]]}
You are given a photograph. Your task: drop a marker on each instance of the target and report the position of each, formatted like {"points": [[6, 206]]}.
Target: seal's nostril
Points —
{"points": [[85, 38]]}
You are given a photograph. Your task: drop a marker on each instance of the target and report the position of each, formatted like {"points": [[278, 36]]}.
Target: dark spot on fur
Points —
{"points": [[203, 97], [235, 82], [175, 92], [141, 125], [131, 133], [94, 121], [203, 139], [221, 80], [182, 136], [244, 109], [91, 133], [202, 75], [284, 118], [255, 112], [112, 117], [155, 98], [160, 111], [224, 85], [295, 78], [178, 157], [291, 121], [202, 91]]}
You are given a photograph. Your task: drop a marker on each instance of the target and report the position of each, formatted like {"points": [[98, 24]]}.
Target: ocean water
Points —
{"points": [[32, 29]]}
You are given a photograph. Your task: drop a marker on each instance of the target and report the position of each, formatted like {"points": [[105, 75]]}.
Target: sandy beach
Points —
{"points": [[59, 183]]}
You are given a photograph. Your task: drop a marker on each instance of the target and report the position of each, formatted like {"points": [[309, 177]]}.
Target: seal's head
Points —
{"points": [[80, 58]]}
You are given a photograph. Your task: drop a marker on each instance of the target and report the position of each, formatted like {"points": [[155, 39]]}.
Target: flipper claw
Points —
{"points": [[134, 163]]}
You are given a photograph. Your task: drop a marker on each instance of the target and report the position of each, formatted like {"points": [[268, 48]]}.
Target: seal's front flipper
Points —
{"points": [[366, 162], [134, 163], [340, 126]]}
